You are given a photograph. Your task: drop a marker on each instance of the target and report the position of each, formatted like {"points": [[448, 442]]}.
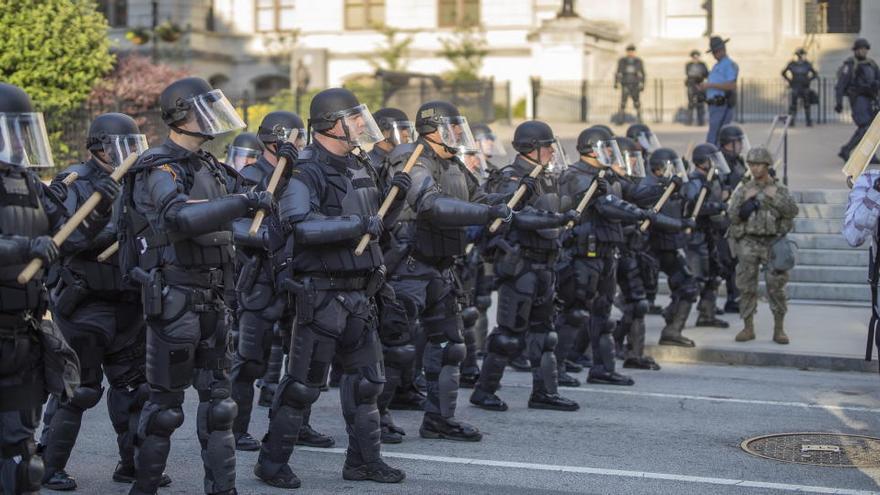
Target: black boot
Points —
{"points": [[267, 394], [246, 443], [566, 380], [487, 400], [671, 333], [125, 473], [407, 400], [608, 378], [555, 402], [284, 478], [311, 438], [435, 426], [731, 306], [706, 315], [520, 363], [59, 481], [468, 380], [373, 471]]}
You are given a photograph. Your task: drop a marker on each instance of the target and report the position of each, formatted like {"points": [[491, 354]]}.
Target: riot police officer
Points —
{"points": [[711, 226], [696, 72], [631, 76], [799, 74], [396, 129], [99, 316], [587, 280], [328, 204], [245, 149], [29, 213], [176, 241], [859, 79], [430, 235], [525, 274], [262, 314], [667, 241]]}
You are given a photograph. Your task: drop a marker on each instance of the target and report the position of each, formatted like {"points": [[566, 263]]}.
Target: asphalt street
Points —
{"points": [[677, 431]]}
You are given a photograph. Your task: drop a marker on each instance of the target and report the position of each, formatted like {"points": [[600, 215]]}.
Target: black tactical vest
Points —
{"points": [[435, 242], [546, 198], [21, 214], [594, 227]]}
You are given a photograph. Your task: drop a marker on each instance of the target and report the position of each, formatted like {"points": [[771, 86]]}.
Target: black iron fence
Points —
{"points": [[666, 100]]}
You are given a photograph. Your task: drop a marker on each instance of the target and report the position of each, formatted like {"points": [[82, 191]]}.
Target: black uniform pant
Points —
{"points": [[526, 314], [187, 345], [632, 92], [682, 285], [633, 304], [108, 335], [863, 112], [340, 323], [801, 93], [703, 262], [429, 294], [22, 393], [696, 104]]}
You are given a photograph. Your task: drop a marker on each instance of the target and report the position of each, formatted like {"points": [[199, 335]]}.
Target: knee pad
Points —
{"points": [[297, 395], [550, 341], [454, 354], [640, 308], [576, 318], [505, 344], [446, 329], [367, 391], [483, 302], [400, 356], [29, 471], [251, 370], [469, 316], [165, 421], [86, 397], [221, 414]]}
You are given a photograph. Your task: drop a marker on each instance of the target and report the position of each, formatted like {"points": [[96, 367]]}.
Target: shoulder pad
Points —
{"points": [[81, 169], [399, 152], [155, 157]]}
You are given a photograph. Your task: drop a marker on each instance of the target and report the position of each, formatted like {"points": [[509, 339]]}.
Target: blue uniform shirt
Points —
{"points": [[724, 71]]}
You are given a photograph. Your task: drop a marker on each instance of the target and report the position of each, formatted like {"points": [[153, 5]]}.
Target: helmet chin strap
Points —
{"points": [[185, 132], [451, 151]]}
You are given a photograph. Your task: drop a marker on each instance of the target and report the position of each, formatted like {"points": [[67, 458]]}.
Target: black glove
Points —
{"points": [[59, 190], [44, 248], [688, 223], [259, 200], [109, 189], [570, 216], [501, 211], [877, 184], [750, 206], [531, 186], [601, 185], [287, 151], [403, 182], [677, 180], [372, 225], [838, 108], [647, 214]]}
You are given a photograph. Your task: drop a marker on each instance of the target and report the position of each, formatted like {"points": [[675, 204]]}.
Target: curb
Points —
{"points": [[756, 358]]}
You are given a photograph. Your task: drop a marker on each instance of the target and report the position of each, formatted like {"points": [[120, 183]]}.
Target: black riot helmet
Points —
{"points": [[590, 137], [642, 134], [604, 128], [339, 104], [729, 134], [668, 162], [800, 52], [861, 43], [430, 114], [117, 135], [634, 130], [193, 102], [386, 117], [23, 137], [247, 140], [701, 154], [395, 125], [533, 135], [451, 126], [245, 149], [281, 125]]}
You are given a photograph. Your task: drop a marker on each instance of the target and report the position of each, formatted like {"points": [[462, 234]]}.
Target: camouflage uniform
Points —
{"points": [[754, 236]]}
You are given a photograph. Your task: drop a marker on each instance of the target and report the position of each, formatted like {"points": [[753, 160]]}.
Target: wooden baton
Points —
{"points": [[517, 196], [75, 220], [657, 206], [392, 194], [70, 179], [701, 198], [273, 184], [585, 200]]}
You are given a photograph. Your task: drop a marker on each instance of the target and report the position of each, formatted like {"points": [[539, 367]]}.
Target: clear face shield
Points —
{"points": [[552, 156], [634, 163], [648, 141], [488, 144], [475, 162], [118, 147], [295, 135], [717, 161], [456, 133], [24, 140], [239, 157], [608, 153], [742, 146], [401, 132], [359, 127], [675, 168], [213, 114]]}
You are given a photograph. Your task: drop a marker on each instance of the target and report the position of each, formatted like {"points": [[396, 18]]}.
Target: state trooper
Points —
{"points": [[329, 203], [667, 241], [631, 76], [799, 74], [696, 72], [859, 79], [263, 316], [524, 268], [244, 150], [430, 235], [34, 358], [99, 316], [711, 226], [587, 281], [396, 129], [176, 241], [734, 144], [632, 277]]}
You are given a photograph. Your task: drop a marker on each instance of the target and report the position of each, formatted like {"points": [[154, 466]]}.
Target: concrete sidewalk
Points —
{"points": [[822, 337]]}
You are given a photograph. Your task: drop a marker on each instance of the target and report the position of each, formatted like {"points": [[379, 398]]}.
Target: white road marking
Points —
{"points": [[709, 398], [610, 472]]}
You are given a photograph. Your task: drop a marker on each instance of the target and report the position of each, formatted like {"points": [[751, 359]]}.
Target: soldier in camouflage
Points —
{"points": [[761, 211]]}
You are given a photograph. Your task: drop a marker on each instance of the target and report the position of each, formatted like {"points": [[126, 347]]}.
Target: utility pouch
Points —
{"points": [[376, 281], [60, 362], [248, 275], [69, 294], [305, 298], [151, 290]]}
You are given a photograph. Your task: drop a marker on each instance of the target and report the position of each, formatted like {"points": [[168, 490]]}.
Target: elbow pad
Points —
{"points": [[328, 230], [666, 223], [241, 234], [208, 216], [614, 208], [452, 212], [536, 220]]}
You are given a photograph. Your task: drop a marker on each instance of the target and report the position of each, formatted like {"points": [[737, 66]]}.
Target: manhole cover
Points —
{"points": [[818, 449]]}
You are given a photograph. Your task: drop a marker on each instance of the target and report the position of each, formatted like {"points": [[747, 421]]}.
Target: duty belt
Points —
{"points": [[717, 100], [354, 283], [207, 279], [12, 324], [538, 255]]}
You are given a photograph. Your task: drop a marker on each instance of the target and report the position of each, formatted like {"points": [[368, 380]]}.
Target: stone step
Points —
{"points": [[812, 210], [818, 225], [838, 257], [832, 293], [821, 196], [824, 241], [829, 274]]}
